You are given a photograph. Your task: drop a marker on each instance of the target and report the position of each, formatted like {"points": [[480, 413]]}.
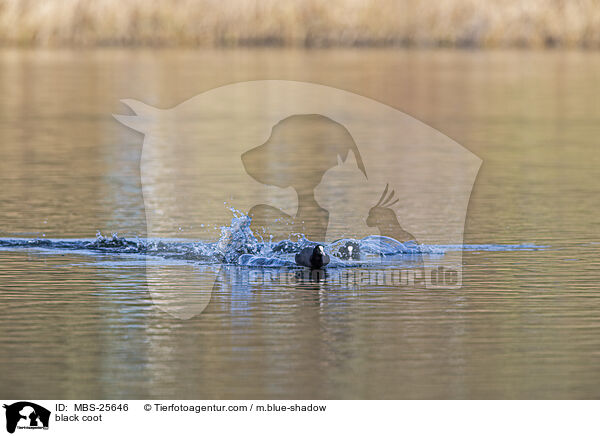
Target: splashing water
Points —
{"points": [[238, 245]]}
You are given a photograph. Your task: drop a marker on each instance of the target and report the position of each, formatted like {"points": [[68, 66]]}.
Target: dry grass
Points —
{"points": [[531, 23]]}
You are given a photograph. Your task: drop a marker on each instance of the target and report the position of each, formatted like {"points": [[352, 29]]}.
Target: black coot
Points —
{"points": [[312, 257]]}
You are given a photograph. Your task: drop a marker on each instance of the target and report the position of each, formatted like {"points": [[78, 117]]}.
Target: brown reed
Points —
{"points": [[305, 23]]}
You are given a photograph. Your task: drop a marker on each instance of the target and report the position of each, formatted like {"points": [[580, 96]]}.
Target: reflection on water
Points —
{"points": [[524, 324]]}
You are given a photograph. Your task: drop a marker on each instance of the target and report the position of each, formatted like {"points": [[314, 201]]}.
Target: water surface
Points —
{"points": [[81, 323]]}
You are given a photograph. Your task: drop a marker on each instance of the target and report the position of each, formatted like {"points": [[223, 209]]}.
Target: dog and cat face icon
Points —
{"points": [[24, 414]]}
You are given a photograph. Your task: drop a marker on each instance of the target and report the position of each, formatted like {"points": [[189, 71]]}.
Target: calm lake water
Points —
{"points": [[81, 324]]}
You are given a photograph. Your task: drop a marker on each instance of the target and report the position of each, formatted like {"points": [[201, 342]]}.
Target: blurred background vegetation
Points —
{"points": [[301, 23]]}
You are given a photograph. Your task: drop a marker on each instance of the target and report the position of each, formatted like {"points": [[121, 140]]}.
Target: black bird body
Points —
{"points": [[312, 257]]}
